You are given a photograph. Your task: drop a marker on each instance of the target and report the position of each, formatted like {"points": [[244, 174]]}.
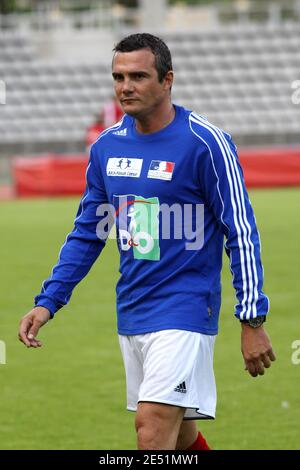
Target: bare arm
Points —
{"points": [[30, 325], [256, 349]]}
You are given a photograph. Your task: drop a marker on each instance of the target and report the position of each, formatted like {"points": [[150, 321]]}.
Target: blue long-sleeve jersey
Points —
{"points": [[173, 195]]}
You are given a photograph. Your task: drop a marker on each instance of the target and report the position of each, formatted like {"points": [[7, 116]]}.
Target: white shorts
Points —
{"points": [[174, 367]]}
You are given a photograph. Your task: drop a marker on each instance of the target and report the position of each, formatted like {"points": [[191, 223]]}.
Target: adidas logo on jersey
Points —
{"points": [[121, 132], [181, 388]]}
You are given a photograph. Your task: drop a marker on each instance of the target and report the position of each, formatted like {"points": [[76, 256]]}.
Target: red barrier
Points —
{"points": [[49, 175], [57, 175], [265, 168]]}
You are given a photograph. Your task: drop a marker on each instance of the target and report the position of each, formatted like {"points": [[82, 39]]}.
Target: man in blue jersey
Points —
{"points": [[162, 159]]}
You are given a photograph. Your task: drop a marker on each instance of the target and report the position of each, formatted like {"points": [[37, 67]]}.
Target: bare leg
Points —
{"points": [[188, 433], [157, 425]]}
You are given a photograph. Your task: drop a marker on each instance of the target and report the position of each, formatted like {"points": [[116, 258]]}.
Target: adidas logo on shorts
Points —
{"points": [[180, 388]]}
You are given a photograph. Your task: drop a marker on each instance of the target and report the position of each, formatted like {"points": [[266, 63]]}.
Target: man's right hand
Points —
{"points": [[30, 325]]}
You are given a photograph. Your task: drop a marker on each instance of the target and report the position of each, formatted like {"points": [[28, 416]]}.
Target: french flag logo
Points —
{"points": [[161, 170]]}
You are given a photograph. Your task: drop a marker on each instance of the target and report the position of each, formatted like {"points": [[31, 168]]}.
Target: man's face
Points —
{"points": [[136, 82]]}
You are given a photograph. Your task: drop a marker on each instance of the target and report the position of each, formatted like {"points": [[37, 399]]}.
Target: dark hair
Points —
{"points": [[162, 54]]}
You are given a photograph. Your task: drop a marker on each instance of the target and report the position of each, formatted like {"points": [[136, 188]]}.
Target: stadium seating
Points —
{"points": [[238, 77]]}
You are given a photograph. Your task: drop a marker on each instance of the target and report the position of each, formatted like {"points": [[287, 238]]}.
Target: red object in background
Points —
{"points": [[58, 175], [271, 167], [111, 113], [49, 175], [93, 133]]}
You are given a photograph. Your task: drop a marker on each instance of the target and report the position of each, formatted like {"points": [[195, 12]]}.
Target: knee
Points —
{"points": [[157, 426], [148, 433]]}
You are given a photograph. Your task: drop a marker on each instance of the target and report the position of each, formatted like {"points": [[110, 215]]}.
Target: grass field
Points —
{"points": [[70, 394]]}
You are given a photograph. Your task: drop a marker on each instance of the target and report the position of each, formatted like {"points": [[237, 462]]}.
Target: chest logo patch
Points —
{"points": [[161, 170], [124, 166], [137, 222]]}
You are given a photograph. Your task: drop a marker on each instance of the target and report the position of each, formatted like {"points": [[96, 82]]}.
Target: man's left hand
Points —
{"points": [[256, 349]]}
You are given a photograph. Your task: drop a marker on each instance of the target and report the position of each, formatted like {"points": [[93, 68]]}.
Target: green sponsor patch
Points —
{"points": [[144, 228]]}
